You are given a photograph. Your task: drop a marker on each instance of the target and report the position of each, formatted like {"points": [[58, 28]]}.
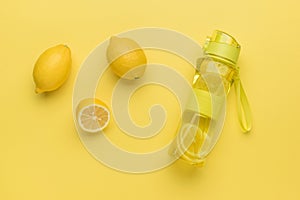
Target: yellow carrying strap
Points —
{"points": [[243, 107]]}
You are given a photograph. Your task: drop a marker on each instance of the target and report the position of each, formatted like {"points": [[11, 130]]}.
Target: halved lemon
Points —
{"points": [[93, 115]]}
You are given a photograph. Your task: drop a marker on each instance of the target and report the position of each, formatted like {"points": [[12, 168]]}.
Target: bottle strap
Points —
{"points": [[243, 107]]}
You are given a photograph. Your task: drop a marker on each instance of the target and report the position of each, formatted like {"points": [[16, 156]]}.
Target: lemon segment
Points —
{"points": [[52, 68]]}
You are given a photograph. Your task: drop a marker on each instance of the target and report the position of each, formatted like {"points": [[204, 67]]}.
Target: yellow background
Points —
{"points": [[41, 156]]}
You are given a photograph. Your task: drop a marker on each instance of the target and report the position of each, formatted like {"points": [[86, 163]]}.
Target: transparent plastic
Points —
{"points": [[201, 128]]}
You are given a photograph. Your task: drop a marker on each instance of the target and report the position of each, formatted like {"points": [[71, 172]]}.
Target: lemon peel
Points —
{"points": [[52, 68], [127, 59]]}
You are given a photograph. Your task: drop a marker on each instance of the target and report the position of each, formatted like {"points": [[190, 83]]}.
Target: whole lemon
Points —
{"points": [[126, 58], [52, 68]]}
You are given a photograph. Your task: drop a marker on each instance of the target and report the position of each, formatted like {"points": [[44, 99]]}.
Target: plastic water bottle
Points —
{"points": [[216, 72]]}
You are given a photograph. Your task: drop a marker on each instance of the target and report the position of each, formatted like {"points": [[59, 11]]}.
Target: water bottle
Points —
{"points": [[216, 72]]}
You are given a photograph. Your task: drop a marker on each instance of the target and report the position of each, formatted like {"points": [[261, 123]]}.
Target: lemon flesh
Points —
{"points": [[92, 115], [127, 59], [52, 68]]}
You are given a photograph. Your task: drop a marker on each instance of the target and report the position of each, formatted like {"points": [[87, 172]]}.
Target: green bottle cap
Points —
{"points": [[222, 45]]}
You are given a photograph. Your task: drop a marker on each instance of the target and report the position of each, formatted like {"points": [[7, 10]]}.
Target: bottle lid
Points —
{"points": [[222, 45]]}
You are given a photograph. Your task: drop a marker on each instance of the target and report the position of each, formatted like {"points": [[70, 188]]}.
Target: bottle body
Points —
{"points": [[214, 70], [196, 138]]}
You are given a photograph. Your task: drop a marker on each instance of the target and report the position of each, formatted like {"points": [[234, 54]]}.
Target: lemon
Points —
{"points": [[126, 58], [93, 115], [52, 68]]}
